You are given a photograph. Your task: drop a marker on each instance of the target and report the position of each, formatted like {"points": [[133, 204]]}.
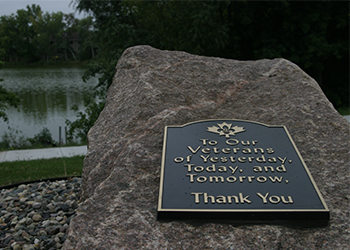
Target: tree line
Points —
{"points": [[32, 35], [312, 34]]}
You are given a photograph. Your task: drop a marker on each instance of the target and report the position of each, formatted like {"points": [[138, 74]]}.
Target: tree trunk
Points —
{"points": [[72, 54]]}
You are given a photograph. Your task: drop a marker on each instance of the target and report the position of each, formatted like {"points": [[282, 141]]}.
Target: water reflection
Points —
{"points": [[47, 96]]}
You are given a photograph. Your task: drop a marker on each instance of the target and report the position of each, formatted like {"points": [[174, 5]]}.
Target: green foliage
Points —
{"points": [[22, 171], [197, 27], [85, 29], [31, 35], [42, 139], [14, 139], [7, 98], [80, 127]]}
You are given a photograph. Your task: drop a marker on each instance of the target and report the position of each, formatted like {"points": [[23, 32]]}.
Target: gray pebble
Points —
{"points": [[42, 232], [29, 221], [50, 206], [37, 217], [17, 247], [36, 205]]}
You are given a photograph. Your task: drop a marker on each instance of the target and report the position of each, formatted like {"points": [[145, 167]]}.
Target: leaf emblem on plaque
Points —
{"points": [[225, 129]]}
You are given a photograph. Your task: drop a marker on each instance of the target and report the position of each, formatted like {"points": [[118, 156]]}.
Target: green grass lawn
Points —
{"points": [[36, 170]]}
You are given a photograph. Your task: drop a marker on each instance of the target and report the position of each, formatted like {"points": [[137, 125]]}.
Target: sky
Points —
{"points": [[7, 7]]}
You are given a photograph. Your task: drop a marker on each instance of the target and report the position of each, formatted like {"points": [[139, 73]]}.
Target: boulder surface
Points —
{"points": [[154, 88]]}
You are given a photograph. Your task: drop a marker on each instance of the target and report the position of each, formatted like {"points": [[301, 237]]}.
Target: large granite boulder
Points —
{"points": [[154, 88]]}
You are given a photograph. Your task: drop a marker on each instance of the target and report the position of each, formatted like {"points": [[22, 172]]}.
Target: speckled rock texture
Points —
{"points": [[154, 88]]}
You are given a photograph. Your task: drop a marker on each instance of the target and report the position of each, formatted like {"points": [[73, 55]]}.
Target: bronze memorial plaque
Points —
{"points": [[237, 171]]}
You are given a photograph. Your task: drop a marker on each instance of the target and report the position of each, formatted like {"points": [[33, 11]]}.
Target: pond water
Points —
{"points": [[47, 97]]}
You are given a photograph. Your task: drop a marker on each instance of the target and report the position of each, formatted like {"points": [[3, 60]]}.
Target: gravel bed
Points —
{"points": [[37, 215]]}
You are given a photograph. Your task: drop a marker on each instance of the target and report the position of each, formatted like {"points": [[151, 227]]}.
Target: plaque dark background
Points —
{"points": [[177, 189]]}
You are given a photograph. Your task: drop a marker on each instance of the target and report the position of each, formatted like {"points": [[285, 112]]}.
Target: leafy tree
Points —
{"points": [[7, 98], [17, 33], [31, 35], [70, 31], [86, 31], [50, 30], [8, 37]]}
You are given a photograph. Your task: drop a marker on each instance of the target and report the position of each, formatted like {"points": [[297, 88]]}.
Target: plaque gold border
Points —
{"points": [[160, 196]]}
